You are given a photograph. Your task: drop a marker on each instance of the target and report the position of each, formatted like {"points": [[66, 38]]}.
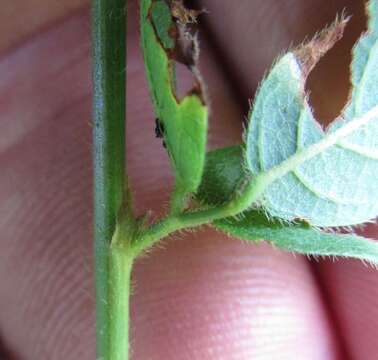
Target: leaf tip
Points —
{"points": [[310, 53]]}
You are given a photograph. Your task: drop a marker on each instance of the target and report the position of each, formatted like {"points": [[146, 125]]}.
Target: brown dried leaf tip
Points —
{"points": [[183, 15], [187, 48], [309, 54]]}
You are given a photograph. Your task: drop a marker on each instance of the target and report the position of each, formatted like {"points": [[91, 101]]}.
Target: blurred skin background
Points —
{"points": [[197, 296]]}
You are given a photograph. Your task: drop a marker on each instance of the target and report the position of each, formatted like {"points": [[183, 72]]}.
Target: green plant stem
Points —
{"points": [[194, 219], [109, 109], [120, 286], [179, 201]]}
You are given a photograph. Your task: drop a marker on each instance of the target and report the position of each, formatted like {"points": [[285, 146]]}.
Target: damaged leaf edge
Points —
{"points": [[198, 90]]}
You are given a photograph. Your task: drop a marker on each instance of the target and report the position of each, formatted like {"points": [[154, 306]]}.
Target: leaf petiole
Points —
{"points": [[253, 191], [171, 224]]}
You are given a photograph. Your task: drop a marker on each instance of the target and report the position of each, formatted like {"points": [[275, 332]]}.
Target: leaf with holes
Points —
{"points": [[184, 121], [328, 178], [225, 173]]}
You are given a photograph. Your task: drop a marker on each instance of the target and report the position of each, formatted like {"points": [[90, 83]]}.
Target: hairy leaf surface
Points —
{"points": [[299, 237], [223, 176], [339, 185], [184, 121]]}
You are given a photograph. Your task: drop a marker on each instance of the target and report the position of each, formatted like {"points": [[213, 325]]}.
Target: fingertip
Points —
{"points": [[212, 297]]}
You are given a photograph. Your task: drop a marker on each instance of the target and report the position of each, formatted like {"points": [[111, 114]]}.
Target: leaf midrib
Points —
{"points": [[329, 140]]}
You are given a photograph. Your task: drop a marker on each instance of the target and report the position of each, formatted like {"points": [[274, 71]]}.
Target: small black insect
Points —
{"points": [[159, 129]]}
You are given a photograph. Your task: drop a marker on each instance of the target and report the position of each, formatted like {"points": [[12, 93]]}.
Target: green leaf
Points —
{"points": [[184, 121], [224, 175], [328, 178], [299, 237]]}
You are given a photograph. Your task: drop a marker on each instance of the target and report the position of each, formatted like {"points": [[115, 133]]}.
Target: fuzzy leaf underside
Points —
{"points": [[184, 121], [299, 237], [225, 172], [339, 186]]}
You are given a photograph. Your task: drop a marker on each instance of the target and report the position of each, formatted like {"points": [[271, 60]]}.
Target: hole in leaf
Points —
{"points": [[184, 80], [329, 82]]}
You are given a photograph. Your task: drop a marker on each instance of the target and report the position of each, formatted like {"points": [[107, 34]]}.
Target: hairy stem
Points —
{"points": [[194, 219], [119, 290], [109, 109]]}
